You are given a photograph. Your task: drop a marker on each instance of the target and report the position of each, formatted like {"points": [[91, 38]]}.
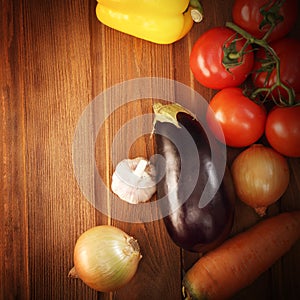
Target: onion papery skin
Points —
{"points": [[261, 176], [106, 258]]}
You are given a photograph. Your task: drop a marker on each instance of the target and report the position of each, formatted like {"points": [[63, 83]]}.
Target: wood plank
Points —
{"points": [[14, 277], [58, 86]]}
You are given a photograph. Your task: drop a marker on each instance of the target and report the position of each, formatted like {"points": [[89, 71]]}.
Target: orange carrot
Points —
{"points": [[240, 260]]}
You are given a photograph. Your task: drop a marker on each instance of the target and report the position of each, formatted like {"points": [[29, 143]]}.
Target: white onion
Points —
{"points": [[105, 258]]}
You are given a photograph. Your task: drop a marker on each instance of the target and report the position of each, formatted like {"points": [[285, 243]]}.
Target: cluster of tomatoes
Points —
{"points": [[250, 63]]}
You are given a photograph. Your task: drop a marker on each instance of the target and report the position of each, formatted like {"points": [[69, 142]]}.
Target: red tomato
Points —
{"points": [[207, 55], [247, 14], [283, 130], [288, 51], [242, 120]]}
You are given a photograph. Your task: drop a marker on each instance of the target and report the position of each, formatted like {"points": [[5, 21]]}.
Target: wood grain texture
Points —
{"points": [[56, 57]]}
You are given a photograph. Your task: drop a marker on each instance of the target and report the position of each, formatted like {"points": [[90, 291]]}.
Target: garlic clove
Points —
{"points": [[133, 180]]}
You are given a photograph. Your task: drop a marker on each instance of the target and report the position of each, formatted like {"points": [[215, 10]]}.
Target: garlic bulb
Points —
{"points": [[105, 258], [133, 180]]}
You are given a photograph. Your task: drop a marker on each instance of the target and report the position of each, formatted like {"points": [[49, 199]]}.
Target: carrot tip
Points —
{"points": [[189, 293]]}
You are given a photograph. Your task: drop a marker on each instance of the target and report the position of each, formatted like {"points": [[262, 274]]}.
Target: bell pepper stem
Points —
{"points": [[197, 10]]}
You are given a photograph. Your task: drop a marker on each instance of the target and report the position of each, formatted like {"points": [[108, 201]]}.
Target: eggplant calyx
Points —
{"points": [[168, 113]]}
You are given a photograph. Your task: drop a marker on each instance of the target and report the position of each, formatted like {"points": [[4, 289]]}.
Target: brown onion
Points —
{"points": [[261, 176], [105, 258]]}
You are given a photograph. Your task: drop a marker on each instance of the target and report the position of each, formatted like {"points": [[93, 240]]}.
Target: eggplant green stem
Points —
{"points": [[264, 44], [168, 113]]}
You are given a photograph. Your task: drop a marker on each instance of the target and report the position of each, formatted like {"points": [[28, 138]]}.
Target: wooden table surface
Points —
{"points": [[56, 57]]}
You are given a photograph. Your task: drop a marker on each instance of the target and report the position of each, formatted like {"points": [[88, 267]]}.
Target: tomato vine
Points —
{"points": [[264, 44]]}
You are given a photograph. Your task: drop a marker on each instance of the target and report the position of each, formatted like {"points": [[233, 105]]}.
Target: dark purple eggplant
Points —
{"points": [[182, 176]]}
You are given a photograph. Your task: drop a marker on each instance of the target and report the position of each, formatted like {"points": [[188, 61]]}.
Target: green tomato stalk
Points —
{"points": [[271, 16], [264, 44]]}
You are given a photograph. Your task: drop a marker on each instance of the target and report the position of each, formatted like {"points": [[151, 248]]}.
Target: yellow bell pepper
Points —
{"points": [[158, 21]]}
